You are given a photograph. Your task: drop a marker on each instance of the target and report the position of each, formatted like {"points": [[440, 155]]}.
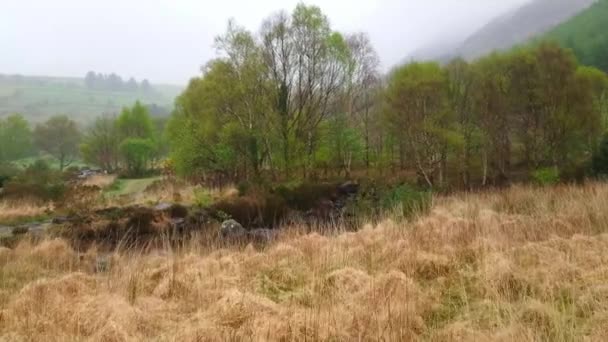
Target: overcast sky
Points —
{"points": [[167, 41]]}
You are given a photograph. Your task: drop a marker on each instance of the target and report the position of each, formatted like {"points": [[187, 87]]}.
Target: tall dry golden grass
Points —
{"points": [[12, 211], [101, 180], [522, 264]]}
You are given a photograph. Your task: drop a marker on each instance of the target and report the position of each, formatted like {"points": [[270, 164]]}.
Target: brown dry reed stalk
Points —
{"points": [[523, 264]]}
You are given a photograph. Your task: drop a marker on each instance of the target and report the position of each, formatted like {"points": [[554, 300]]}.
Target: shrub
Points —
{"points": [[7, 171], [409, 200], [261, 210], [38, 181], [306, 196], [243, 188], [178, 211], [546, 176], [203, 197]]}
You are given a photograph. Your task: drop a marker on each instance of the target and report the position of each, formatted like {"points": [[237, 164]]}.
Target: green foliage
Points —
{"points": [[100, 146], [600, 158], [39, 98], [546, 176], [137, 154], [130, 141], [341, 146], [586, 35], [7, 172], [60, 137], [408, 200], [203, 197], [135, 122], [15, 138], [38, 181], [416, 99], [301, 101]]}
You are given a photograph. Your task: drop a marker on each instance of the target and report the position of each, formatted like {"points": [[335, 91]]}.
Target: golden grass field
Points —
{"points": [[11, 211], [522, 264]]}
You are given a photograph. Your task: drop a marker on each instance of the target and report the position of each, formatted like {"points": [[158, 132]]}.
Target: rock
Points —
{"points": [[232, 230], [262, 236], [163, 206]]}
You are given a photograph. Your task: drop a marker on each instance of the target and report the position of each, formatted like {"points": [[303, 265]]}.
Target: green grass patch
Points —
{"points": [[123, 187]]}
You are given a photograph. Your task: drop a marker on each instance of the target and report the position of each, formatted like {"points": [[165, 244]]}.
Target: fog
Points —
{"points": [[167, 41]]}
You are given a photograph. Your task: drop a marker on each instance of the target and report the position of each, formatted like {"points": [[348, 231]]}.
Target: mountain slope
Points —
{"points": [[38, 98], [520, 25], [534, 19], [587, 35]]}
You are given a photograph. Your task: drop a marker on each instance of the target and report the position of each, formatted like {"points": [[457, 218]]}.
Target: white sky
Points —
{"points": [[167, 41]]}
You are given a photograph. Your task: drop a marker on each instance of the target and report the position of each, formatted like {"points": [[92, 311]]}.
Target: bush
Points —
{"points": [[262, 210], [203, 197], [7, 171], [409, 200], [546, 176], [38, 181], [306, 196]]}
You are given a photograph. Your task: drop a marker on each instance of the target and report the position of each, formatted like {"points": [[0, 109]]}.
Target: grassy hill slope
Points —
{"points": [[587, 35], [526, 22], [38, 98]]}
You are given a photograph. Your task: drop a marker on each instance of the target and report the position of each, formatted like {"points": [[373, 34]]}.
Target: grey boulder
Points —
{"points": [[232, 230]]}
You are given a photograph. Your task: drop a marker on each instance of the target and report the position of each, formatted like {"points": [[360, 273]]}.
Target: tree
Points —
{"points": [[341, 145], [136, 133], [491, 106], [243, 99], [90, 80], [132, 85], [460, 87], [135, 122], [363, 85], [15, 138], [59, 136], [199, 131], [145, 86], [307, 64], [599, 164], [100, 145], [137, 153], [416, 106]]}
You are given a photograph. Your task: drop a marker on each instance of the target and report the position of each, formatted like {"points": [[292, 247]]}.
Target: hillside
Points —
{"points": [[587, 35], [517, 26], [534, 18], [38, 98]]}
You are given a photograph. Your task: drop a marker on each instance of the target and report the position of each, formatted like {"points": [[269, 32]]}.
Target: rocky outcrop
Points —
{"points": [[232, 230]]}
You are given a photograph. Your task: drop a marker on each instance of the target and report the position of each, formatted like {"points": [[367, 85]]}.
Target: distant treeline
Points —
{"points": [[130, 142], [113, 82]]}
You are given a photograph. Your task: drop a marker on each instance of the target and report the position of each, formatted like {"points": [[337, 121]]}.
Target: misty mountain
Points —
{"points": [[587, 35], [533, 19], [514, 27]]}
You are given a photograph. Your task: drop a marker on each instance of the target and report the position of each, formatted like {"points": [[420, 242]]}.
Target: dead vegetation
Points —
{"points": [[522, 264], [11, 211]]}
